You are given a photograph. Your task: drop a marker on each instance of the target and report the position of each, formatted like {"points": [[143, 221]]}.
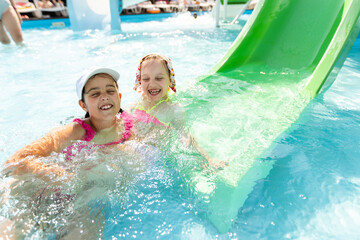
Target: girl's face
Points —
{"points": [[154, 79], [101, 97]]}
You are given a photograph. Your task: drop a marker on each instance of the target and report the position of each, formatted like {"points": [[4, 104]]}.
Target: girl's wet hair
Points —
{"points": [[87, 115]]}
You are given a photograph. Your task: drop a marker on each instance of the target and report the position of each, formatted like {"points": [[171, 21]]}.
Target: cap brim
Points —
{"points": [[81, 82], [114, 74]]}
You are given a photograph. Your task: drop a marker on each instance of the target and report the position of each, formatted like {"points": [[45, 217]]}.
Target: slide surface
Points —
{"points": [[285, 54]]}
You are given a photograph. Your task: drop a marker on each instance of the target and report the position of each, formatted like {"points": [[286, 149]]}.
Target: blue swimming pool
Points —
{"points": [[312, 192]]}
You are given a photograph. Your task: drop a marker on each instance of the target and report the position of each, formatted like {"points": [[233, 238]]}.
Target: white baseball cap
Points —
{"points": [[88, 73]]}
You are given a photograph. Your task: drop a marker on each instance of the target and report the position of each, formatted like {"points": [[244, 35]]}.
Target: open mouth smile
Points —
{"points": [[154, 92], [106, 107]]}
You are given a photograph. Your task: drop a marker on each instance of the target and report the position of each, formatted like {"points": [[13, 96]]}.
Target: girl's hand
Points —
{"points": [[54, 174], [218, 164], [32, 167]]}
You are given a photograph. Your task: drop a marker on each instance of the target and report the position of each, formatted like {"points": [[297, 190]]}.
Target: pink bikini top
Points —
{"points": [[71, 150], [143, 115]]}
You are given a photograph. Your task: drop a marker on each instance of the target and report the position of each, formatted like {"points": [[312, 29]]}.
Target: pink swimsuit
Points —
{"points": [[71, 150], [75, 148], [143, 116]]}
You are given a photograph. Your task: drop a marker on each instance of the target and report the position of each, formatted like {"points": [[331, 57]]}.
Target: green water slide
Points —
{"points": [[285, 54], [295, 34]]}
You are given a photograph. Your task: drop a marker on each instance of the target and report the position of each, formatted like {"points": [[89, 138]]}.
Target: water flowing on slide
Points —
{"points": [[287, 52]]}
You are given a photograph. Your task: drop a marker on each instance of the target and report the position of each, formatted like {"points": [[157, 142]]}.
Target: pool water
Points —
{"points": [[311, 192]]}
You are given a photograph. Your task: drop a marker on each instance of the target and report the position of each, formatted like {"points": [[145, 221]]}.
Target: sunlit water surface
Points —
{"points": [[311, 192]]}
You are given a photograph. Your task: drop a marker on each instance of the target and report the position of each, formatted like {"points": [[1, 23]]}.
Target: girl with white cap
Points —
{"points": [[105, 124]]}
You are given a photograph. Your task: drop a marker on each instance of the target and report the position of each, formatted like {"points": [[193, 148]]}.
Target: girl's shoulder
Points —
{"points": [[178, 108], [170, 105], [179, 115], [173, 108], [81, 128]]}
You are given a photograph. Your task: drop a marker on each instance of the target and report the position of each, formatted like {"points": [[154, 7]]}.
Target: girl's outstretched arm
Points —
{"points": [[26, 160], [189, 140]]}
